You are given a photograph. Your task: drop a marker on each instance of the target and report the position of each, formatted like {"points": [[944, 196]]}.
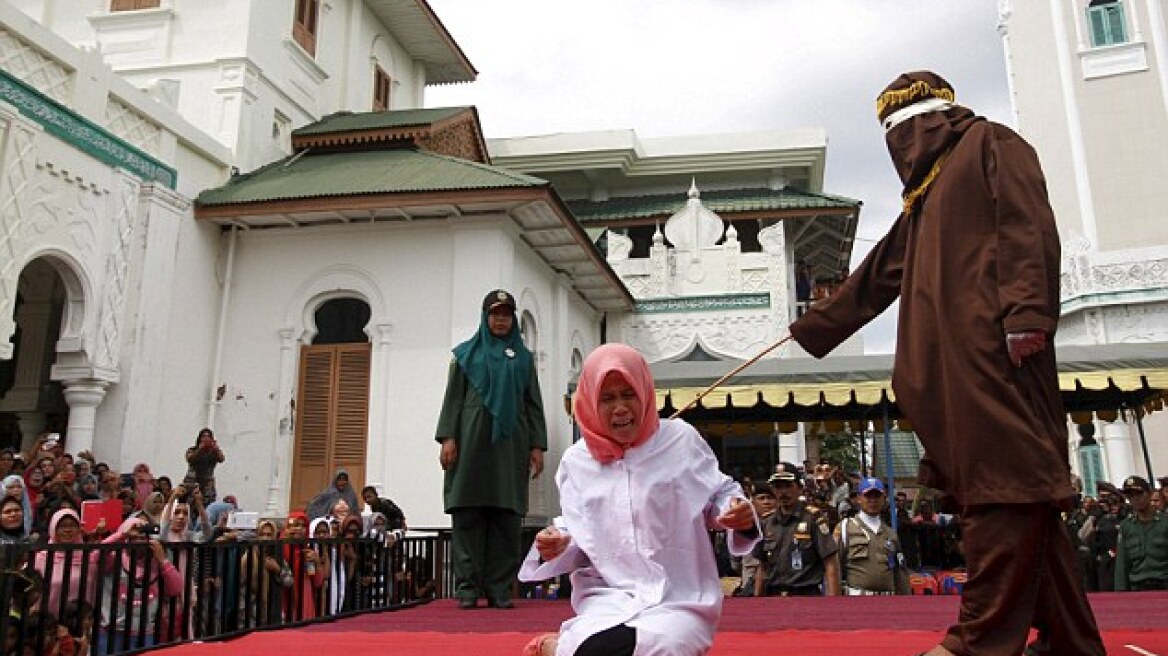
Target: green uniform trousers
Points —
{"points": [[485, 551]]}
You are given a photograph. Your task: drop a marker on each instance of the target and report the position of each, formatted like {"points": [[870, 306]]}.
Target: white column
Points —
{"points": [[1067, 76], [33, 318], [1159, 46], [83, 397], [18, 164], [280, 477], [792, 447], [379, 421], [1118, 445]]}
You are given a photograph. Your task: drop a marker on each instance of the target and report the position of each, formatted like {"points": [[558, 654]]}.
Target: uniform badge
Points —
{"points": [[508, 352], [802, 531]]}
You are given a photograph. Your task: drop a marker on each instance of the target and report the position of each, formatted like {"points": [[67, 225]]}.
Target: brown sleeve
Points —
{"points": [[1028, 245], [866, 293]]}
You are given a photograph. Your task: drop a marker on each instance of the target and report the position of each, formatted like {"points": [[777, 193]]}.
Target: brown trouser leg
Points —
{"points": [[1021, 574]]}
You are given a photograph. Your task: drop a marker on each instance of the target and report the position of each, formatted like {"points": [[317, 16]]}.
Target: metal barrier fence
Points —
{"points": [[125, 597]]}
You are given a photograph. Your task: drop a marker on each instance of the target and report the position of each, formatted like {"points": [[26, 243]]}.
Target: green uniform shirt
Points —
{"points": [[485, 474], [1142, 552]]}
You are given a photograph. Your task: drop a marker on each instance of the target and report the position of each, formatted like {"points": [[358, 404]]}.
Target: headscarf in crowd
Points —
{"points": [[498, 368], [64, 560], [371, 524], [25, 501], [625, 360], [217, 508], [79, 488], [322, 504]]}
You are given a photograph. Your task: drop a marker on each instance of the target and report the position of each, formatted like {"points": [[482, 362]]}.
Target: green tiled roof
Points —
{"points": [[350, 122], [363, 172], [732, 200]]}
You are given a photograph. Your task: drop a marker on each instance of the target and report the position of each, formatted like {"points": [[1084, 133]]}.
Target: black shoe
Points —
{"points": [[467, 604], [504, 604]]}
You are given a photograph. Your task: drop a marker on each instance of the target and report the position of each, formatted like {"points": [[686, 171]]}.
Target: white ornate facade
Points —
{"points": [[1095, 106], [91, 198], [169, 323], [703, 292]]}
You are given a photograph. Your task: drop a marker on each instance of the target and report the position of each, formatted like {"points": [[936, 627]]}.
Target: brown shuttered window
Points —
{"points": [[304, 25], [332, 418], [381, 84], [132, 5]]}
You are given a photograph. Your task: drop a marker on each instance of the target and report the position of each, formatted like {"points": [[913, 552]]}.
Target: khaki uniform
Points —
{"points": [[793, 550], [872, 562]]}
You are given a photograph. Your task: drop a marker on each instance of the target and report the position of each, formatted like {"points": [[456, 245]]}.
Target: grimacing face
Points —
{"points": [[620, 408]]}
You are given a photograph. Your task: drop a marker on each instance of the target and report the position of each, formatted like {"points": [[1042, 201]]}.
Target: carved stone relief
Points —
{"points": [[18, 162], [34, 68], [668, 338], [132, 126], [117, 259], [1137, 323]]}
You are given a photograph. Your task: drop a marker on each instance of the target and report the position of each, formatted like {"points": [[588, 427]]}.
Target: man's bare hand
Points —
{"points": [[536, 464]]}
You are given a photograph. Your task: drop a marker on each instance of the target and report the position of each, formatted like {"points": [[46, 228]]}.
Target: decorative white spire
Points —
{"points": [[694, 227]]}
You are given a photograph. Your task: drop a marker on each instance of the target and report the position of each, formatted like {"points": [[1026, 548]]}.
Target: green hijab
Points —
{"points": [[499, 369]]}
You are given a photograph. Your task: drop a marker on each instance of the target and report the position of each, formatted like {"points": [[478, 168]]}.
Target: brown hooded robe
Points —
{"points": [[976, 257]]}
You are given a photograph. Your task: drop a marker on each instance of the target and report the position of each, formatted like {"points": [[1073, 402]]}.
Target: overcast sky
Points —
{"points": [[685, 67]]}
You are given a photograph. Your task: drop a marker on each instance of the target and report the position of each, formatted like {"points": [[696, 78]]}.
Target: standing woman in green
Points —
{"points": [[493, 435]]}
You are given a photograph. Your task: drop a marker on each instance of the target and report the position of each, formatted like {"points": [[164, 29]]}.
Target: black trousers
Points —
{"points": [[620, 640]]}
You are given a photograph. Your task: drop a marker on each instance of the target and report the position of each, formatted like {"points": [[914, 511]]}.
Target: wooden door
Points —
{"points": [[332, 418]]}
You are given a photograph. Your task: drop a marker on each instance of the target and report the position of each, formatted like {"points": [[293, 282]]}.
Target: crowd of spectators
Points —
{"points": [[1121, 536], [928, 542], [176, 561]]}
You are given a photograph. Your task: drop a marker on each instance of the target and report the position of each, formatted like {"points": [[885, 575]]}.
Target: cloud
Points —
{"points": [[679, 67]]}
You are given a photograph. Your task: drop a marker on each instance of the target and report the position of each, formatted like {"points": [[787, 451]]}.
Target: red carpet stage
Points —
{"points": [[1134, 623]]}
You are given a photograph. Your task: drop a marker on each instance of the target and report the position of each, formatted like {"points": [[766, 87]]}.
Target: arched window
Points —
{"points": [[342, 321], [529, 330], [576, 366], [1106, 20]]}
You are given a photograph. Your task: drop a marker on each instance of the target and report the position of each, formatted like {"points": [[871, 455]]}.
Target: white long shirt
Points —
{"points": [[640, 553]]}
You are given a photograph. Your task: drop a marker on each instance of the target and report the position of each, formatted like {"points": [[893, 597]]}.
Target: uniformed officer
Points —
{"points": [[872, 560], [797, 555], [1141, 561]]}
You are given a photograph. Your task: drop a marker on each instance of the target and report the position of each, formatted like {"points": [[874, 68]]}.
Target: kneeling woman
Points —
{"points": [[639, 496]]}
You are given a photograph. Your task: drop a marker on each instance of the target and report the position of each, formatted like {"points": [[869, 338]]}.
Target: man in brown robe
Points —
{"points": [[974, 259]]}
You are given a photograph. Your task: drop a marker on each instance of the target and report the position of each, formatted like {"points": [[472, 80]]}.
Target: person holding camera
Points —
{"points": [[797, 555], [147, 580], [202, 459]]}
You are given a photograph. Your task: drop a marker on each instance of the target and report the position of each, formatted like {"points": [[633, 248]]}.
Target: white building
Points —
{"points": [[1090, 88], [706, 232], [157, 320]]}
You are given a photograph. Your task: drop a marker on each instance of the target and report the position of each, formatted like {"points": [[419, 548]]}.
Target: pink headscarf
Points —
{"points": [[628, 363]]}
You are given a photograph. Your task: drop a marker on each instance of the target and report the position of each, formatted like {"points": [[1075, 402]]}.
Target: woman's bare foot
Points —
{"points": [[542, 645]]}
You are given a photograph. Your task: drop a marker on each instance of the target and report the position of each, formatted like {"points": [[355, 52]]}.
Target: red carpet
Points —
{"points": [[1132, 623]]}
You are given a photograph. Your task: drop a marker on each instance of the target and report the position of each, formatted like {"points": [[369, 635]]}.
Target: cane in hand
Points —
{"points": [[730, 375]]}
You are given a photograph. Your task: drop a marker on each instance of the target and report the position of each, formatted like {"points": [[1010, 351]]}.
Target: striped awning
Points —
{"points": [[1097, 381]]}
